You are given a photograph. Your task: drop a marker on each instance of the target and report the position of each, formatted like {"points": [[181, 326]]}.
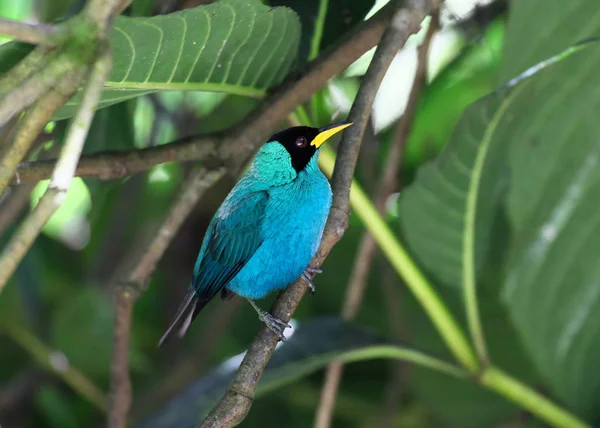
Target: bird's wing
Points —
{"points": [[236, 234], [232, 238]]}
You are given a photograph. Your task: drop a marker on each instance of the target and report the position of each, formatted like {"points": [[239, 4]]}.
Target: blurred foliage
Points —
{"points": [[537, 274]]}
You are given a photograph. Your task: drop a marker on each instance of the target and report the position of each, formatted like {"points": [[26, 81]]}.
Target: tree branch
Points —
{"points": [[243, 140], [39, 34], [131, 288], [368, 247], [64, 170], [29, 127], [235, 404]]}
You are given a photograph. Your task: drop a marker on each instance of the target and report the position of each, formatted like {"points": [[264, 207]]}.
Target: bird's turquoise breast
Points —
{"points": [[294, 221]]}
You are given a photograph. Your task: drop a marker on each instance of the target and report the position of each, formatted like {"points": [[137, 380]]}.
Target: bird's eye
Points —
{"points": [[301, 142]]}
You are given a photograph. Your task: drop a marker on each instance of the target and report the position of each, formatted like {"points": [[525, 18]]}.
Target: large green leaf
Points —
{"points": [[464, 404], [537, 29], [236, 46], [443, 216], [553, 281], [538, 142], [315, 344]]}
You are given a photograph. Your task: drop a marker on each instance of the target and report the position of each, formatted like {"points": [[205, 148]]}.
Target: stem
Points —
{"points": [[235, 404], [398, 256], [30, 126], [48, 360], [491, 377], [538, 405], [64, 170], [36, 59], [34, 87], [79, 126], [135, 283], [120, 383], [39, 34], [368, 247], [315, 44], [315, 47]]}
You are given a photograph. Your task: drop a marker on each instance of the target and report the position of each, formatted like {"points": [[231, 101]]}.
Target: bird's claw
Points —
{"points": [[309, 282], [306, 276], [274, 324]]}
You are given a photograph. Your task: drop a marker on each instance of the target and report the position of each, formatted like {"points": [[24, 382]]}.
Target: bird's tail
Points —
{"points": [[189, 309]]}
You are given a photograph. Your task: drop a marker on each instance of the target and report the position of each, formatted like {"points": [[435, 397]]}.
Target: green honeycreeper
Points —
{"points": [[267, 230]]}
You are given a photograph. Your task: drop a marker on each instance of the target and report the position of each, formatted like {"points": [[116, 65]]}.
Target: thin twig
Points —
{"points": [[64, 170], [242, 140], [35, 60], [102, 12], [368, 246], [30, 126], [399, 331], [134, 285], [13, 206], [39, 34], [235, 404], [31, 89], [118, 164]]}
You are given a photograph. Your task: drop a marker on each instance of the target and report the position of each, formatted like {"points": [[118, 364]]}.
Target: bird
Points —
{"points": [[266, 231]]}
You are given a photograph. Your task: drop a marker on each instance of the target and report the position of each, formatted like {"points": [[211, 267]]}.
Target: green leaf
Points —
{"points": [[233, 46], [314, 345], [553, 279], [443, 216], [454, 402], [534, 146], [532, 36], [239, 47]]}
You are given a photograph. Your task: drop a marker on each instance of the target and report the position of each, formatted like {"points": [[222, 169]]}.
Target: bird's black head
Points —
{"points": [[302, 142]]}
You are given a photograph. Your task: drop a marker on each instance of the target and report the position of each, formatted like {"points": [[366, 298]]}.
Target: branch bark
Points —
{"points": [[130, 289], [235, 404], [39, 34], [64, 170], [238, 144], [368, 247]]}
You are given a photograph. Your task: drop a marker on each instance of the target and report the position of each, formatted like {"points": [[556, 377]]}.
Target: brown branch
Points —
{"points": [[23, 238], [134, 285], [102, 12], [243, 140], [30, 126], [234, 149], [235, 404], [13, 205], [39, 34], [65, 167], [31, 89], [368, 246]]}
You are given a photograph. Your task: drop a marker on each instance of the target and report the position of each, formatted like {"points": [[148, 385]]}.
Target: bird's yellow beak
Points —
{"points": [[327, 132]]}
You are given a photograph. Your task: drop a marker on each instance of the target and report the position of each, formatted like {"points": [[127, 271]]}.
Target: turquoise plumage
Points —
{"points": [[264, 234]]}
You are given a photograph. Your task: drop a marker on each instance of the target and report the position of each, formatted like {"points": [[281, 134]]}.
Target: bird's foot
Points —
{"points": [[306, 275], [274, 324]]}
